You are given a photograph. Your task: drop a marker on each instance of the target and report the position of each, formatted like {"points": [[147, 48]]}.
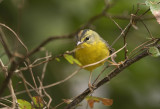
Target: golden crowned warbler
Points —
{"points": [[91, 48]]}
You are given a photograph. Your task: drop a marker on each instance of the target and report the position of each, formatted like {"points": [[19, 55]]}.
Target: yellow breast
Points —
{"points": [[91, 53]]}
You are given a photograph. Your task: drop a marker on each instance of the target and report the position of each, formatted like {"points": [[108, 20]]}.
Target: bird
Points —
{"points": [[91, 48]]}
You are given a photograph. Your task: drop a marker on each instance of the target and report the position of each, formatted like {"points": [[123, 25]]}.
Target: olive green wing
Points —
{"points": [[112, 50]]}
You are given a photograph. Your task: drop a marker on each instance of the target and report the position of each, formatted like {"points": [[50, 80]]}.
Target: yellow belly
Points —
{"points": [[91, 53]]}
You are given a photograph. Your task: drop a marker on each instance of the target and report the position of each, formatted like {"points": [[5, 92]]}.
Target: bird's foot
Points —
{"points": [[91, 87]]}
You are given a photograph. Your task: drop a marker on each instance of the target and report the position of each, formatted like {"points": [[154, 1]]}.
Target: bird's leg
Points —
{"points": [[89, 82], [115, 63]]}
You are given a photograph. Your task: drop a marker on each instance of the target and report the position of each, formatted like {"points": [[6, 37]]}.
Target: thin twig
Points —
{"points": [[58, 105], [31, 72], [44, 67], [49, 40], [5, 106], [100, 74], [49, 97], [122, 33], [143, 44], [150, 34], [1, 24], [40, 59], [48, 86], [6, 100], [14, 98], [25, 85], [6, 48]]}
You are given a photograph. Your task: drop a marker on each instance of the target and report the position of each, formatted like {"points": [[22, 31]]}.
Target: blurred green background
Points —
{"points": [[137, 87]]}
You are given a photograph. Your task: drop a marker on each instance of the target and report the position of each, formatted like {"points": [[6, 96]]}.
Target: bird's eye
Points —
{"points": [[87, 38]]}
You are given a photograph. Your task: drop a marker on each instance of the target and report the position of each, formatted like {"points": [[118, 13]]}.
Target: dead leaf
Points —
{"points": [[92, 99], [107, 102], [91, 103], [38, 101]]}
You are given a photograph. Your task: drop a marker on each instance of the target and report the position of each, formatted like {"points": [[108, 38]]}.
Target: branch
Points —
{"points": [[7, 79], [5, 46], [42, 44], [10, 86], [115, 72]]}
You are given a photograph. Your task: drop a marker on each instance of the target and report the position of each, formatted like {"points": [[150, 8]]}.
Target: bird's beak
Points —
{"points": [[78, 43]]}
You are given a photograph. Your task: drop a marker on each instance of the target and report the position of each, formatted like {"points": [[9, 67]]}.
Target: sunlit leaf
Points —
{"points": [[155, 8], [92, 99], [68, 101], [24, 104], [57, 59], [38, 101], [71, 59], [154, 51]]}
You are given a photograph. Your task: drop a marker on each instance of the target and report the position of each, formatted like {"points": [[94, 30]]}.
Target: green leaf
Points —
{"points": [[155, 8], [71, 59], [38, 101], [154, 51], [92, 97], [57, 59], [24, 104]]}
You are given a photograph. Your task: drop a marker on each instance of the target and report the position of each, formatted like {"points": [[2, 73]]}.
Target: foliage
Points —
{"points": [[24, 104]]}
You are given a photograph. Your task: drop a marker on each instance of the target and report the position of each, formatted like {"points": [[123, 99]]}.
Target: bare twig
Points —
{"points": [[49, 40], [124, 37], [1, 24], [5, 106], [31, 72], [50, 85], [40, 59], [122, 33], [6, 48], [25, 85], [58, 105], [6, 100], [50, 99], [14, 98], [150, 34], [100, 74], [44, 67], [140, 46]]}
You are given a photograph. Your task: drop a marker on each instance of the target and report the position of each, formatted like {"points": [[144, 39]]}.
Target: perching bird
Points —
{"points": [[90, 49]]}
